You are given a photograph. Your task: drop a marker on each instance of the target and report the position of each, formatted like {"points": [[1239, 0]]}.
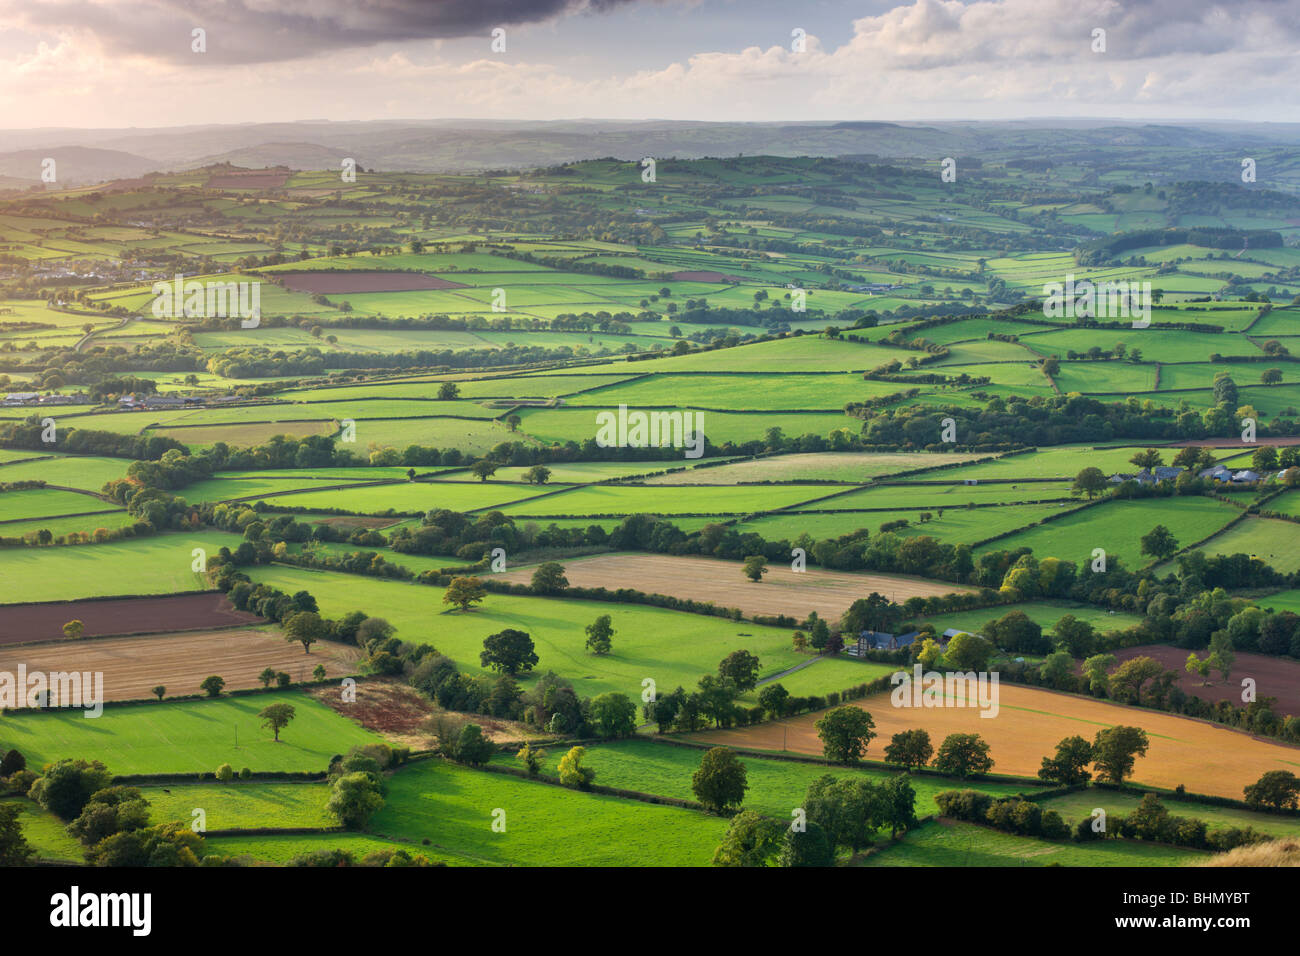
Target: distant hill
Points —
{"points": [[465, 145], [75, 164]]}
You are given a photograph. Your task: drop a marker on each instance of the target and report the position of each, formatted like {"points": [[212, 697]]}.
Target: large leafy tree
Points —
{"points": [[846, 732], [721, 780], [509, 652], [1116, 749]]}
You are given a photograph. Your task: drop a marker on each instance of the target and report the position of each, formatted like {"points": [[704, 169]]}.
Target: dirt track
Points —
{"points": [[22, 623], [782, 591], [133, 666]]}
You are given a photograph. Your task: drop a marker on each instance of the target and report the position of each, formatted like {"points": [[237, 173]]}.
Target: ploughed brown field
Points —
{"points": [[1031, 722], [782, 591], [1273, 676], [133, 666], [344, 280], [24, 623]]}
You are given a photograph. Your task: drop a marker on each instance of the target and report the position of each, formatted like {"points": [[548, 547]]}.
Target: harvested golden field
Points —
{"points": [[133, 666], [782, 591], [1029, 724]]}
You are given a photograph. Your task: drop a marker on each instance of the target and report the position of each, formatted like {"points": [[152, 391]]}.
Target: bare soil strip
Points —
{"points": [[133, 666], [782, 590], [24, 623]]}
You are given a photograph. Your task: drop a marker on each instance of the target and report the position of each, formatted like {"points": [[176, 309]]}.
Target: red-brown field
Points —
{"points": [[1273, 676], [133, 666], [782, 591], [343, 281], [1030, 722], [23, 623]]}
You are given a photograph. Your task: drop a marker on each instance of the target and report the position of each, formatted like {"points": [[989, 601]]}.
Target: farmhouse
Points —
{"points": [[881, 641]]}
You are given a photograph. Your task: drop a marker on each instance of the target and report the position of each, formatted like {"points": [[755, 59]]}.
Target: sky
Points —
{"points": [[122, 63]]}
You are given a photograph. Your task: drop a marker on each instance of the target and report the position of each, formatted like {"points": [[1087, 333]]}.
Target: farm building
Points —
{"points": [[881, 641]]}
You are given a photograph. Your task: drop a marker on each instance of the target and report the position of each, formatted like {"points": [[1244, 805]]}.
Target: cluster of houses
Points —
{"points": [[1221, 473], [13, 399], [165, 402], [882, 641]]}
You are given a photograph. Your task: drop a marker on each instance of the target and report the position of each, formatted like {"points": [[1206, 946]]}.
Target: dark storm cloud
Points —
{"points": [[263, 31]]}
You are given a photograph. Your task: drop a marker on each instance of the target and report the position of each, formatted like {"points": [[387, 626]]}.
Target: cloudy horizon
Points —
{"points": [[132, 63]]}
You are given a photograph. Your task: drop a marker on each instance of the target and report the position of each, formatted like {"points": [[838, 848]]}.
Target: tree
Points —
{"points": [[721, 780], [532, 758], [483, 469], [464, 591], [14, 848], [751, 840], [354, 798], [159, 691], [1199, 667], [1091, 481], [848, 810], [961, 755], [73, 630], [1073, 635], [318, 672], [807, 847], [537, 475], [12, 763], [910, 749], [267, 677], [1221, 654], [67, 786], [212, 685], [572, 772], [740, 669], [1097, 671], [509, 652], [448, 391], [897, 805], [306, 628], [549, 578], [968, 652], [1127, 680], [1276, 790], [773, 699], [799, 640], [755, 567], [1159, 542], [819, 634], [1069, 767], [277, 717], [472, 747], [1115, 749], [614, 715], [845, 732], [282, 679], [600, 633], [225, 773], [1148, 458], [1264, 459], [370, 629]]}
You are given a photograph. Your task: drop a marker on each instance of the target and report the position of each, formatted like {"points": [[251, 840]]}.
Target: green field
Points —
{"points": [[775, 786], [188, 737], [453, 808], [943, 843], [671, 647]]}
